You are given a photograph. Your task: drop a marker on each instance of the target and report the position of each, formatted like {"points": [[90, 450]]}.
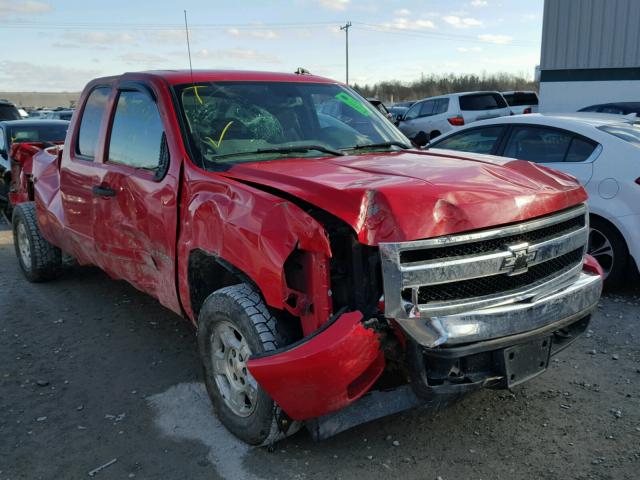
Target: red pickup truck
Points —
{"points": [[334, 273]]}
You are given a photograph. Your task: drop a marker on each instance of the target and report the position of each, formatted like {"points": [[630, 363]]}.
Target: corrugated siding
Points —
{"points": [[590, 34]]}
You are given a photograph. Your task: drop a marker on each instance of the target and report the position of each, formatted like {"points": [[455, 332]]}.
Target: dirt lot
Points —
{"points": [[92, 370]]}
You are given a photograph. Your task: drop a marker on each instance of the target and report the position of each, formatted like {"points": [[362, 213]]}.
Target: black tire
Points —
{"points": [[40, 261], [421, 139], [243, 308], [434, 134], [616, 264]]}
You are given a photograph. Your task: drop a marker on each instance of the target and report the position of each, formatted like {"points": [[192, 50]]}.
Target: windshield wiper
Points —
{"points": [[289, 149], [404, 146], [301, 148]]}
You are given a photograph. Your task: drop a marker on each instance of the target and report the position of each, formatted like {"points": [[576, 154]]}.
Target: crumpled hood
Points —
{"points": [[392, 197]]}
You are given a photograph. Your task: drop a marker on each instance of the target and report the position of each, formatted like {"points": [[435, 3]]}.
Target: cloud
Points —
{"points": [[404, 23], [497, 39], [144, 60], [479, 3], [8, 7], [171, 36], [235, 54], [469, 49], [99, 38], [403, 12], [335, 4], [261, 34], [24, 76], [460, 22], [529, 17]]}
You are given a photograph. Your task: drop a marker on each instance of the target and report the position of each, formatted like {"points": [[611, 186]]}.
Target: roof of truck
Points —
{"points": [[175, 77]]}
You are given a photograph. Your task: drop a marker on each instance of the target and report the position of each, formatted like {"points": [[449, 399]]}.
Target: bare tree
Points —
{"points": [[438, 84]]}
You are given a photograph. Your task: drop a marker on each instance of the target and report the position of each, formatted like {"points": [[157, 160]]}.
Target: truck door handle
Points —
{"points": [[103, 191]]}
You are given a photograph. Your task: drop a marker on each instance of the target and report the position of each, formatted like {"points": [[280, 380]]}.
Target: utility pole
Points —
{"points": [[346, 27]]}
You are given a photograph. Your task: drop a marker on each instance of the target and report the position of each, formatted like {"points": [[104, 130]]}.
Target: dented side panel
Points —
{"points": [[325, 373], [251, 230]]}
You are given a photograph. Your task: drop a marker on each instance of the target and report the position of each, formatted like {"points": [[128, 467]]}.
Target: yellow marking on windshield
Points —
{"points": [[195, 91], [224, 131]]}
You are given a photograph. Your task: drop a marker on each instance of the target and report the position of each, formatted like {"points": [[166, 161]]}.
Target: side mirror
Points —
{"points": [[421, 139]]}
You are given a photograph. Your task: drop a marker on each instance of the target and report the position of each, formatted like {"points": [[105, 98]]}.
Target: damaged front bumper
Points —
{"points": [[555, 308], [324, 372]]}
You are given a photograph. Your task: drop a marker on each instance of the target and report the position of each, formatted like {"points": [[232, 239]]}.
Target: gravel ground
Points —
{"points": [[93, 371]]}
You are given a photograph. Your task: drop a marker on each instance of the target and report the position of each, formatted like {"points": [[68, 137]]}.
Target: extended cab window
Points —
{"points": [[136, 133], [91, 122], [478, 140]]}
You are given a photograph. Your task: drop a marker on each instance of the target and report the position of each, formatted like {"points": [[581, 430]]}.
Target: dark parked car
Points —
{"points": [[405, 104], [8, 111], [397, 113], [381, 108], [19, 131], [620, 108]]}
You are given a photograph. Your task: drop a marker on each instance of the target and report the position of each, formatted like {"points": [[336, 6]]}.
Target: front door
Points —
{"points": [[137, 207]]}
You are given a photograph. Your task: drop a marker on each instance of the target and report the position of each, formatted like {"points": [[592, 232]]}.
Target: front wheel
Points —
{"points": [[39, 260], [234, 324]]}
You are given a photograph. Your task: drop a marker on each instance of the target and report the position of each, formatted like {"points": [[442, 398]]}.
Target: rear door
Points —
{"points": [[555, 148], [480, 106], [80, 170], [136, 214]]}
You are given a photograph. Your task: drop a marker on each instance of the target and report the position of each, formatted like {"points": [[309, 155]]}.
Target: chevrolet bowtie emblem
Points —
{"points": [[519, 260]]}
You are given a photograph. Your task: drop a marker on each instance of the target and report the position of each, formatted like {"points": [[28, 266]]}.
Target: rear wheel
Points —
{"points": [[39, 260], [234, 324], [608, 247]]}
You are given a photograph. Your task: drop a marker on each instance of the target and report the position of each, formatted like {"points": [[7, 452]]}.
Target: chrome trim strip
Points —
{"points": [[440, 271], [536, 289], [576, 299]]}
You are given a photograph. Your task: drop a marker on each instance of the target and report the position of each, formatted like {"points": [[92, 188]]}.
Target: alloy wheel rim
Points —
{"points": [[229, 355], [23, 245], [601, 249]]}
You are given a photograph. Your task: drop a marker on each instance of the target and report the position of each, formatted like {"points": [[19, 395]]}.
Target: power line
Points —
{"points": [[161, 26]]}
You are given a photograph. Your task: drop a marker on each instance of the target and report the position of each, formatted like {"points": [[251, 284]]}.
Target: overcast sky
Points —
{"points": [[59, 45]]}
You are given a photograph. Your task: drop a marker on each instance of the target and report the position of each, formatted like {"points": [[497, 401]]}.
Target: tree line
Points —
{"points": [[438, 84]]}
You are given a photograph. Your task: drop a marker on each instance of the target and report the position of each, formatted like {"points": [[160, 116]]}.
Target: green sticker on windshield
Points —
{"points": [[353, 103]]}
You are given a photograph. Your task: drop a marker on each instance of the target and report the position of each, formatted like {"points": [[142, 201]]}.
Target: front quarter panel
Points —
{"points": [[251, 230]]}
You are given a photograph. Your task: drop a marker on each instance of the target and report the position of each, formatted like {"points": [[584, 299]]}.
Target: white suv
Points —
{"points": [[428, 118]]}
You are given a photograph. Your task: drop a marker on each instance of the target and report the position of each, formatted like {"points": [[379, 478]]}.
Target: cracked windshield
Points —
{"points": [[244, 121]]}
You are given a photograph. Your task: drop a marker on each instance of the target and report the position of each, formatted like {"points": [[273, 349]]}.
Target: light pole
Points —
{"points": [[346, 27]]}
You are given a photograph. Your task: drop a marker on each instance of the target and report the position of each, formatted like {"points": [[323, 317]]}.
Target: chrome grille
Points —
{"points": [[450, 274]]}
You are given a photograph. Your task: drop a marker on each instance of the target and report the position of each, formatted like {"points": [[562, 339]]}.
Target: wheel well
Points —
{"points": [[604, 220], [434, 134], [208, 273]]}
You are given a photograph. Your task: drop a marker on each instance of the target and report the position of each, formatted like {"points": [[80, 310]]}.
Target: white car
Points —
{"points": [[602, 151], [428, 118], [522, 102]]}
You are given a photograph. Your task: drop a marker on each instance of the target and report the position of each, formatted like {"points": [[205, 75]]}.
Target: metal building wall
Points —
{"points": [[579, 34]]}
